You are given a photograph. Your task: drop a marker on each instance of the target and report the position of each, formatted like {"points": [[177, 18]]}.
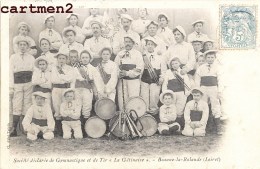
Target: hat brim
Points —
{"points": [[68, 90], [36, 63], [41, 94], [165, 92]]}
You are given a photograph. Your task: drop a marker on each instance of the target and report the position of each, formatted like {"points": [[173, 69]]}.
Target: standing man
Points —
{"points": [[95, 44], [50, 34], [131, 65], [118, 41]]}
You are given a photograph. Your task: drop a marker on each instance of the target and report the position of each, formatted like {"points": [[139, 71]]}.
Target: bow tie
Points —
{"points": [[127, 54], [196, 106], [163, 30], [50, 32]]}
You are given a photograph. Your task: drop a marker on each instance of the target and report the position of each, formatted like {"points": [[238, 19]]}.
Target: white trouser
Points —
{"points": [[211, 94], [165, 126], [151, 95], [57, 99], [180, 102], [48, 135], [67, 126], [22, 99], [131, 89], [189, 131], [84, 96]]}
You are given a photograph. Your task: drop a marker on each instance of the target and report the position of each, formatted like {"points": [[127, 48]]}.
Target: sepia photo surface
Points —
{"points": [[145, 85]]}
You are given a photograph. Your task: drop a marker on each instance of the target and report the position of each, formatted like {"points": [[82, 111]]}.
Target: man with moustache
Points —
{"points": [[182, 50], [131, 65], [95, 44], [118, 40]]}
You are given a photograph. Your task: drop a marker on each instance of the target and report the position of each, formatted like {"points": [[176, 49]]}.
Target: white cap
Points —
{"points": [[39, 93], [36, 62], [75, 14], [198, 21], [149, 38], [180, 29], [68, 90], [210, 51], [24, 24], [164, 14], [166, 92], [48, 16], [22, 39], [126, 16]]}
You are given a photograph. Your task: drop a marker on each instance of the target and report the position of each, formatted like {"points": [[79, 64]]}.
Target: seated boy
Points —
{"points": [[168, 114], [70, 113], [196, 115], [39, 118]]}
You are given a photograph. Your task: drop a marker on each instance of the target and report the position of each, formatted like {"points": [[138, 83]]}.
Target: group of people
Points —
{"points": [[56, 90]]}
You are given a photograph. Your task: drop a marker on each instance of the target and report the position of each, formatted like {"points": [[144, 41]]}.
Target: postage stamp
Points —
{"points": [[238, 27]]}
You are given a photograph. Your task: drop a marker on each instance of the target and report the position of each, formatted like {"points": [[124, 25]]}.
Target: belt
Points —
{"points": [[146, 76], [37, 88], [40, 122], [175, 85], [65, 85], [69, 119], [195, 115], [209, 81], [83, 84], [22, 77], [128, 67]]}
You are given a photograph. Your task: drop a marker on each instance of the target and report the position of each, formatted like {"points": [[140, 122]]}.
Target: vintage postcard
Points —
{"points": [[130, 84]]}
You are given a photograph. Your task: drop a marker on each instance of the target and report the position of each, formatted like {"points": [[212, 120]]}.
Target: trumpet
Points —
{"points": [[182, 81], [150, 69], [134, 126]]}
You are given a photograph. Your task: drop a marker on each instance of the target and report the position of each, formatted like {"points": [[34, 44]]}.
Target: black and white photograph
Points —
{"points": [[129, 85]]}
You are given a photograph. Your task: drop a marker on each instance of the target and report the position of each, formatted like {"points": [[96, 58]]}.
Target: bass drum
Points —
{"points": [[95, 127], [137, 104], [147, 125], [117, 131], [105, 108]]}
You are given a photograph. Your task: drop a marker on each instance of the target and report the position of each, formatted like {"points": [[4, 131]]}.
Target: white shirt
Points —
{"points": [[67, 77], [166, 35], [53, 36], [195, 35], [168, 113], [135, 58], [15, 46], [140, 25], [201, 106], [184, 51], [39, 112], [42, 79], [50, 58], [67, 47], [95, 44], [19, 63], [161, 46], [70, 109], [110, 68]]}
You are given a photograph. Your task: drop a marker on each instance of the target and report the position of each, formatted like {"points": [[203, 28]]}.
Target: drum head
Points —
{"points": [[105, 108], [95, 127], [138, 104], [147, 125], [117, 131]]}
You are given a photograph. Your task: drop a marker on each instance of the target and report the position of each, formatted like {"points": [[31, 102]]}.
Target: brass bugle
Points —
{"points": [[133, 133], [135, 127]]}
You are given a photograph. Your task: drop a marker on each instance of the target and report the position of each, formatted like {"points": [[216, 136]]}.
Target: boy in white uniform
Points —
{"points": [[208, 76], [49, 33], [21, 68], [153, 76], [179, 84], [131, 65], [164, 32], [87, 77], [197, 25], [70, 113], [70, 35], [168, 114], [39, 118], [109, 73], [45, 46], [24, 29], [62, 78], [41, 78], [196, 115]]}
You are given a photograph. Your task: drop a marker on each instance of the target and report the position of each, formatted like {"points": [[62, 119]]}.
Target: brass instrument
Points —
{"points": [[181, 80], [150, 69]]}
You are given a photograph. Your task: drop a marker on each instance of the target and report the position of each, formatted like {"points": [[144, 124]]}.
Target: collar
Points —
{"points": [[171, 105], [197, 33]]}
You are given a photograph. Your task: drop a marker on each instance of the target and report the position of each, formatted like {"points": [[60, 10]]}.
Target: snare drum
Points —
{"points": [[105, 108], [138, 104], [147, 125], [95, 127]]}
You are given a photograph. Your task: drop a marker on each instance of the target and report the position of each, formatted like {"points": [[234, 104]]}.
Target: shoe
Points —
{"points": [[174, 129], [165, 132]]}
